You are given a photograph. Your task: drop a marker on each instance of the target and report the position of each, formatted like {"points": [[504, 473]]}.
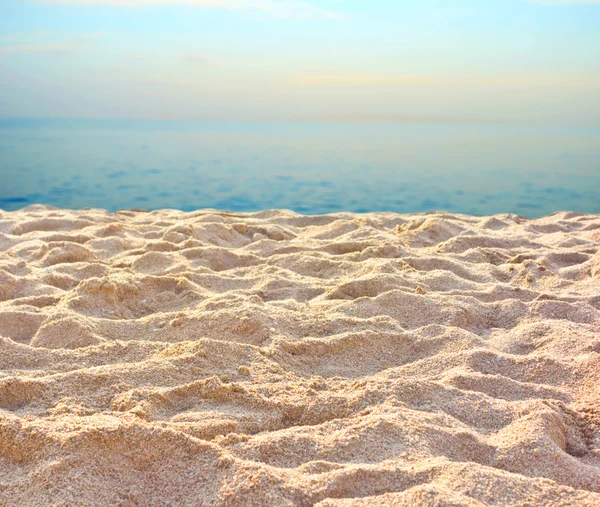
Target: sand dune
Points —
{"points": [[211, 358]]}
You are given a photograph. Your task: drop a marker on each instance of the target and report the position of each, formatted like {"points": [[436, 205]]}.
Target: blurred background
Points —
{"points": [[318, 106]]}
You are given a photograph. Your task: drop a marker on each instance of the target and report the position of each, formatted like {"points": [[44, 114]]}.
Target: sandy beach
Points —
{"points": [[212, 358]]}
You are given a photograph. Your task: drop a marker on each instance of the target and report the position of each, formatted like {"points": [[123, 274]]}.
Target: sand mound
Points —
{"points": [[212, 358]]}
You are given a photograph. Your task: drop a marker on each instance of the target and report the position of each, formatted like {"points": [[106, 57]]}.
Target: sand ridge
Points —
{"points": [[214, 358]]}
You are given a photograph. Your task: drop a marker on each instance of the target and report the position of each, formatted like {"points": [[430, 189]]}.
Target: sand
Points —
{"points": [[211, 358]]}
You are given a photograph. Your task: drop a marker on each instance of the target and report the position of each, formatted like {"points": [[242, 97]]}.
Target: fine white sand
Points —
{"points": [[210, 358]]}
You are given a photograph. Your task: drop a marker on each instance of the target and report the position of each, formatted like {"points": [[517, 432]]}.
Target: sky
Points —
{"points": [[523, 61]]}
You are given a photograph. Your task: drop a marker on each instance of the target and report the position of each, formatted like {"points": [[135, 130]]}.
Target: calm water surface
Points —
{"points": [[307, 167]]}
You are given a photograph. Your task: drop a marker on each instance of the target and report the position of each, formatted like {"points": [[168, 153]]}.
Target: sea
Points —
{"points": [[307, 167]]}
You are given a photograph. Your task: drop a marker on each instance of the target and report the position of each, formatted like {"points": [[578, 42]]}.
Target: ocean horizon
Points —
{"points": [[307, 166]]}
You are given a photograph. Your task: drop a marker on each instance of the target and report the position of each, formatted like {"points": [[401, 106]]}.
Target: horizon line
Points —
{"points": [[318, 119]]}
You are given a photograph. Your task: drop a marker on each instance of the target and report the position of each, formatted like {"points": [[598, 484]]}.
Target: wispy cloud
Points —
{"points": [[287, 9], [37, 48], [360, 80], [197, 58], [43, 42], [368, 80]]}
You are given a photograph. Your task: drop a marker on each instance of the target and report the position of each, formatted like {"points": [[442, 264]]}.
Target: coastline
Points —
{"points": [[273, 358]]}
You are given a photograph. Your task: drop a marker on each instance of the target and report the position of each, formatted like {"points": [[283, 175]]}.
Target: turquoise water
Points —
{"points": [[307, 167]]}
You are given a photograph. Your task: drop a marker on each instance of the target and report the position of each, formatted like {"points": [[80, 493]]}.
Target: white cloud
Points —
{"points": [[276, 8]]}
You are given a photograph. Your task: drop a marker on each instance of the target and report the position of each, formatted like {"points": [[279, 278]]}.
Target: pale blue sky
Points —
{"points": [[426, 60]]}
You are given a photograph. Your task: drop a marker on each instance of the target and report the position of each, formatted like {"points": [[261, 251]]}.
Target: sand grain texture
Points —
{"points": [[211, 358]]}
